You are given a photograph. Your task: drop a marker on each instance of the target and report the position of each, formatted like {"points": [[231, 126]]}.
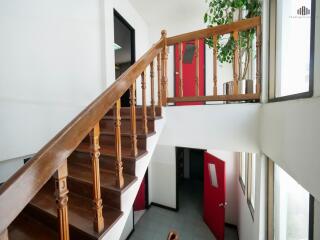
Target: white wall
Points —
{"points": [[231, 127], [289, 136], [231, 183], [8, 168], [56, 57], [162, 171]]}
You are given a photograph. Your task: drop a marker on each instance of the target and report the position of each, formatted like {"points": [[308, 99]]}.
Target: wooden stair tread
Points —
{"points": [[79, 209], [109, 151], [27, 228], [107, 178]]}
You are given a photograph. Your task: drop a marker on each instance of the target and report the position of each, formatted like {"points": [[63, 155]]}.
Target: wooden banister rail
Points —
{"points": [[18, 191], [217, 30]]}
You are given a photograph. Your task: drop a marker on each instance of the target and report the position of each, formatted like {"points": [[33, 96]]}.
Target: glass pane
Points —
{"points": [[291, 208], [292, 46], [253, 181], [213, 175]]}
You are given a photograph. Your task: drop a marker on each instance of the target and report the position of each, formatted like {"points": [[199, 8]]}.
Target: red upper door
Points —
{"points": [[140, 201], [189, 70], [214, 194]]}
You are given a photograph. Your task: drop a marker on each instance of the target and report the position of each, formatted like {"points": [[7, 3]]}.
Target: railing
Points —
{"points": [[51, 160], [214, 33]]}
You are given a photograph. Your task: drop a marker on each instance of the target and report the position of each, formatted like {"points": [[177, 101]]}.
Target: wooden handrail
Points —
{"points": [[216, 30], [18, 191]]}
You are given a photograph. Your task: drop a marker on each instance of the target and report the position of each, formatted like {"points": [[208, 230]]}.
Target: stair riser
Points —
{"points": [[109, 197], [109, 140], [126, 111], [108, 125], [107, 163]]}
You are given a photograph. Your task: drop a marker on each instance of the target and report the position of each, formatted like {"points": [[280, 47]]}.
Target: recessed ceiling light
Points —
{"points": [[116, 46]]}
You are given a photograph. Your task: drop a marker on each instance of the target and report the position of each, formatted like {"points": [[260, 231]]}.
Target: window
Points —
{"points": [[290, 206], [291, 49], [243, 166]]}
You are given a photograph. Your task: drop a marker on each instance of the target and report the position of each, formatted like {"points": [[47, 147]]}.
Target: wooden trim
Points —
{"points": [[153, 110], [53, 154], [215, 65], [180, 70], [164, 68], [236, 63], [117, 135], [144, 103], [134, 147], [197, 77], [61, 193], [217, 30], [240, 97], [98, 221], [159, 80]]}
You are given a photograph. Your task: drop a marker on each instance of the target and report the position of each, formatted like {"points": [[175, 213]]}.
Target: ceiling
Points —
{"points": [[155, 11]]}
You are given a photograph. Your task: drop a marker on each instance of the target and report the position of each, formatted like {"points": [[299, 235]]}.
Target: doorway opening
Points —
{"points": [[124, 47], [200, 190]]}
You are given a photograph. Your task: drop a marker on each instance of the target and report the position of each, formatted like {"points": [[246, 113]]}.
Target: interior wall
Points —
{"points": [[56, 57], [230, 127]]}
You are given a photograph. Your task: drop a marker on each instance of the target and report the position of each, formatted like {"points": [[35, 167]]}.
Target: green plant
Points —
{"points": [[227, 11]]}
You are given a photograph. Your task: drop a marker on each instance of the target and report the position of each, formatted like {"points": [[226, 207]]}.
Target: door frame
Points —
{"points": [[132, 31], [204, 71]]}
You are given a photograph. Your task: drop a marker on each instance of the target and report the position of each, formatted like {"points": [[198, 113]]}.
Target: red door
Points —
{"points": [[140, 201], [189, 70], [214, 194]]}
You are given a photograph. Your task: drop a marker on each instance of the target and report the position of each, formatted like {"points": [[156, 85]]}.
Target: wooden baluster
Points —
{"points": [[197, 66], [134, 148], [61, 194], [180, 70], [215, 65], [258, 60], [164, 74], [144, 103], [236, 63], [159, 80], [98, 222], [153, 109], [117, 135], [4, 235]]}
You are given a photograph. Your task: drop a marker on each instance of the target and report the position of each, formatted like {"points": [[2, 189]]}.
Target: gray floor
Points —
{"points": [[187, 222]]}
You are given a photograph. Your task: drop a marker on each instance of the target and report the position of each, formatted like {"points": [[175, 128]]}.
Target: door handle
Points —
{"points": [[177, 73], [223, 204]]}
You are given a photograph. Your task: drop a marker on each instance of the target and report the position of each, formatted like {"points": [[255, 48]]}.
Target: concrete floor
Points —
{"points": [[157, 222]]}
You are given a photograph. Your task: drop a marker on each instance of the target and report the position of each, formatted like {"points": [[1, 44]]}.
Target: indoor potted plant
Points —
{"points": [[227, 11]]}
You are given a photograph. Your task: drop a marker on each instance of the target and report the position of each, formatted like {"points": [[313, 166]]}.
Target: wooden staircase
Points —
{"points": [[39, 219], [72, 187]]}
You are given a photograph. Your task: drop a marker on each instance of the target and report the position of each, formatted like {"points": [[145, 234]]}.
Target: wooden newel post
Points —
{"points": [[117, 133], [258, 60], [98, 222], [164, 74], [61, 193]]}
